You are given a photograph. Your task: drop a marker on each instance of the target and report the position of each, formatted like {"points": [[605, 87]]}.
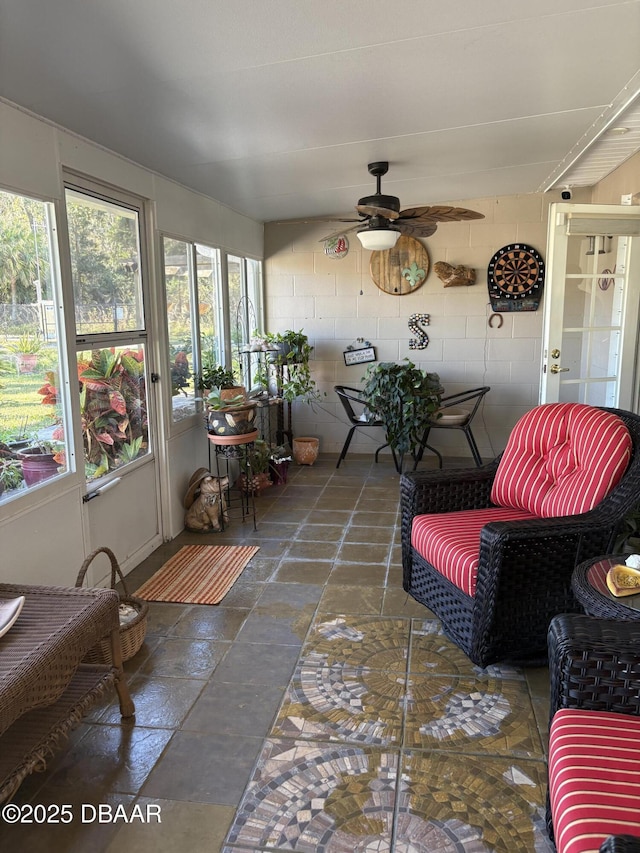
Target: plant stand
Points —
{"points": [[238, 448]]}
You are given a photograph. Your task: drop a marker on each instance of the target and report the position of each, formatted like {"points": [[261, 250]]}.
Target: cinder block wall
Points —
{"points": [[336, 301]]}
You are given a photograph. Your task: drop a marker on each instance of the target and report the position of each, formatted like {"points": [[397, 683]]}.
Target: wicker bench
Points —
{"points": [[45, 689]]}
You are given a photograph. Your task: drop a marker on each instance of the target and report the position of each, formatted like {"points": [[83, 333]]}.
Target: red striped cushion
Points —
{"points": [[562, 459], [450, 541], [594, 778]]}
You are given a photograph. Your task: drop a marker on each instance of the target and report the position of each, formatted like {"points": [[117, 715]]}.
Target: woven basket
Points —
{"points": [[132, 633]]}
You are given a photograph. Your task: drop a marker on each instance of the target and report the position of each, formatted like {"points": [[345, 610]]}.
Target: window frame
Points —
{"points": [[110, 195], [64, 480]]}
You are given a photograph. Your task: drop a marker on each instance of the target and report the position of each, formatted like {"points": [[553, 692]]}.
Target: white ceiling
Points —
{"points": [[275, 107]]}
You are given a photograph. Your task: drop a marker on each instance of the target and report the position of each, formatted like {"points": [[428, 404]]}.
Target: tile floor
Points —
{"points": [[317, 708]]}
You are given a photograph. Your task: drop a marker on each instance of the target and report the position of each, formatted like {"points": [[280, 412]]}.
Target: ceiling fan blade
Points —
{"points": [[341, 231], [311, 220], [373, 210], [441, 213], [416, 227]]}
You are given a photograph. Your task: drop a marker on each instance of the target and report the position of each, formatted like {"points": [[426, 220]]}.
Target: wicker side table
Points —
{"points": [[589, 584]]}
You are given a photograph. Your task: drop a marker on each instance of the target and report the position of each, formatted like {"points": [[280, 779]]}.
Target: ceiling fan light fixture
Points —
{"points": [[378, 239]]}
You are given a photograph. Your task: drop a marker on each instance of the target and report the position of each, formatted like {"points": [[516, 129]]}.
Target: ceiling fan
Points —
{"points": [[381, 221]]}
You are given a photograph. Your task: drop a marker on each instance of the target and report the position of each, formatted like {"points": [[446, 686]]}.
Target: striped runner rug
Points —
{"points": [[198, 574]]}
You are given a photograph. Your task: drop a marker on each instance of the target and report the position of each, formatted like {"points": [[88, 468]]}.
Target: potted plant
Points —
{"points": [[292, 351], [217, 376], [256, 478], [26, 349], [229, 416], [279, 459], [11, 476], [405, 399], [40, 461]]}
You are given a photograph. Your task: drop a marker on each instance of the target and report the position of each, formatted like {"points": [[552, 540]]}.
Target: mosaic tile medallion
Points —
{"points": [[457, 803], [359, 641], [365, 758], [318, 798], [487, 714], [336, 799], [433, 652], [343, 703]]}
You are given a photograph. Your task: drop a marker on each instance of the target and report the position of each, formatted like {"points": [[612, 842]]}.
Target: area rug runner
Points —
{"points": [[198, 574]]}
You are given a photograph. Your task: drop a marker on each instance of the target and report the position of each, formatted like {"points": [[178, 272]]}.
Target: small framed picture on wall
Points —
{"points": [[359, 356]]}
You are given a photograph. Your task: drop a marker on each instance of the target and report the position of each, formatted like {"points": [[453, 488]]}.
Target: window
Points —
{"points": [[106, 270], [194, 318], [244, 276], [33, 392]]}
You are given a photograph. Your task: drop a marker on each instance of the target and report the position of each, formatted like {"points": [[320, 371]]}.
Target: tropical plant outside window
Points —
{"points": [[108, 302], [31, 332]]}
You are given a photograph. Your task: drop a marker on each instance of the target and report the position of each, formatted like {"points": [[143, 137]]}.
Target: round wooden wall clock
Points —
{"points": [[402, 269], [515, 278]]}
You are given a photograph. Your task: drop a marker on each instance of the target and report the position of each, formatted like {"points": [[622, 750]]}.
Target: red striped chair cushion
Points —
{"points": [[594, 778], [562, 459], [450, 541]]}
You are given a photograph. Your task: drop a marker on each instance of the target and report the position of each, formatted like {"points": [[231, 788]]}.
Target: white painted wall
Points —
{"points": [[45, 536]]}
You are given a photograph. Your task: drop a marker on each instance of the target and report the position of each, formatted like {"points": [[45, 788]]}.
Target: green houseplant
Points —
{"points": [[216, 376], [405, 399], [290, 352], [229, 413]]}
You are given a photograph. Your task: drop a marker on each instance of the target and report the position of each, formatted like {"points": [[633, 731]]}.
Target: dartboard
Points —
{"points": [[515, 277]]}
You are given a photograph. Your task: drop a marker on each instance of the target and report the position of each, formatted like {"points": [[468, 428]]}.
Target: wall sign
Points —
{"points": [[359, 356], [336, 247], [400, 270]]}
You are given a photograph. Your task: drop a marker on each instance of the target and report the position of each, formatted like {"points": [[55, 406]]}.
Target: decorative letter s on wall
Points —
{"points": [[422, 339]]}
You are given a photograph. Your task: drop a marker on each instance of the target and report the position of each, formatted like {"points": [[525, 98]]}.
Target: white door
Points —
{"points": [[115, 446], [592, 295]]}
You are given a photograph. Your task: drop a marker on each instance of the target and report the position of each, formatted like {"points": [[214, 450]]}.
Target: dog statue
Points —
{"points": [[208, 511]]}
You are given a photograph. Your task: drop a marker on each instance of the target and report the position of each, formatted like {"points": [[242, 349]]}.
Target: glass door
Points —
{"points": [[590, 335], [116, 440]]}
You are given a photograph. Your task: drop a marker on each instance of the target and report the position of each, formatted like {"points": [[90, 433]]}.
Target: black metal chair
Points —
{"points": [[450, 421], [356, 409]]}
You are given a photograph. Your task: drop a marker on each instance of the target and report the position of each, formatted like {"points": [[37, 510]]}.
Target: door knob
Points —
{"points": [[555, 368]]}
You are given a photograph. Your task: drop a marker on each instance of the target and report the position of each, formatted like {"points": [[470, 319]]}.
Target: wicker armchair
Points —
{"points": [[525, 566], [594, 665]]}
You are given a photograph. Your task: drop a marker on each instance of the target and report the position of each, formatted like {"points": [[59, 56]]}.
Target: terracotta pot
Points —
{"points": [[305, 450], [256, 484], [230, 393], [27, 362]]}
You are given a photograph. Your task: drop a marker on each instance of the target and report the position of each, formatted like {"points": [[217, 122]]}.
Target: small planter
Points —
{"points": [[37, 466], [27, 362], [305, 450], [278, 471], [232, 393], [254, 484], [239, 420]]}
